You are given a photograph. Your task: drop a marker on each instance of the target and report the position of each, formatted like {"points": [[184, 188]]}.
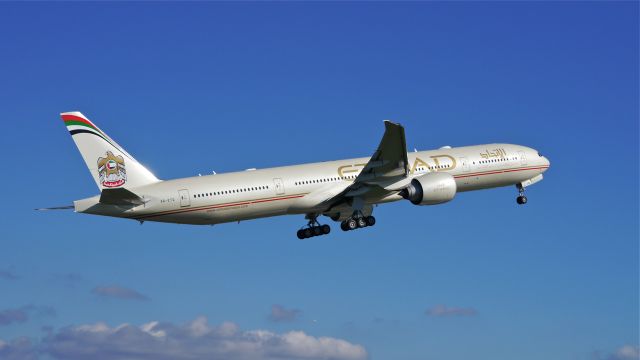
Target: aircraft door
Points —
{"points": [[185, 200], [465, 164], [523, 158], [279, 186]]}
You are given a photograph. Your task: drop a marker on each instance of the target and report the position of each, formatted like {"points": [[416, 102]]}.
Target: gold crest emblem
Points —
{"points": [[111, 170]]}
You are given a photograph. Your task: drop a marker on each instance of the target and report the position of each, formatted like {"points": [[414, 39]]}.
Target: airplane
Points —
{"points": [[346, 191]]}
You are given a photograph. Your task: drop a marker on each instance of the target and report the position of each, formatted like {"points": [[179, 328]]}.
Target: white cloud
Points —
{"points": [[118, 292], [20, 315], [443, 310], [8, 275], [281, 314], [9, 316], [196, 340], [626, 352], [17, 349]]}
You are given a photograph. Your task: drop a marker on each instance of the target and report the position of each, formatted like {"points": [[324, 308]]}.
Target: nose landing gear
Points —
{"points": [[521, 199]]}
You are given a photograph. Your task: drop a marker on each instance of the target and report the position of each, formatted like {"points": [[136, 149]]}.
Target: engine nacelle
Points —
{"points": [[431, 189]]}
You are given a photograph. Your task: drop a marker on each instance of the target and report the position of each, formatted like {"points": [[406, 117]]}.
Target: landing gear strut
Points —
{"points": [[313, 228], [521, 199], [357, 221]]}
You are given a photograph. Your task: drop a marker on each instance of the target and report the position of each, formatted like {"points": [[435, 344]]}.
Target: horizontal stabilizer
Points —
{"points": [[120, 196], [68, 207]]}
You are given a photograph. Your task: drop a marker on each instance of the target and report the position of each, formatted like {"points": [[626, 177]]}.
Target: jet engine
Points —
{"points": [[430, 189]]}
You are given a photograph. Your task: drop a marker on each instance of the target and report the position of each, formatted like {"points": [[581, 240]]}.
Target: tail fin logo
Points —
{"points": [[111, 170]]}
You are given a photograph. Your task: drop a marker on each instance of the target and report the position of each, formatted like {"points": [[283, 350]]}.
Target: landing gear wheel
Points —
{"points": [[352, 224], [343, 226], [361, 222], [521, 199], [313, 228], [370, 220]]}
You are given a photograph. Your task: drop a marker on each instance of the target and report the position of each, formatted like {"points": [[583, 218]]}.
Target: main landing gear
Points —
{"points": [[357, 221], [313, 228], [521, 199]]}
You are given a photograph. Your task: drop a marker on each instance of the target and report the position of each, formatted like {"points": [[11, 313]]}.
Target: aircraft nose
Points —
{"points": [[546, 163]]}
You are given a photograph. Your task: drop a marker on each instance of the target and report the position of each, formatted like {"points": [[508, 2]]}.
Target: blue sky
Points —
{"points": [[191, 88]]}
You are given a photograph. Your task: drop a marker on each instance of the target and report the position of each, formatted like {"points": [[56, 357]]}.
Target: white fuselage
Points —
{"points": [[251, 194]]}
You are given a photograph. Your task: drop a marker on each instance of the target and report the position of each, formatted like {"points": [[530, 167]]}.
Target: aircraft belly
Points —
{"points": [[486, 181], [195, 218], [240, 212], [250, 211]]}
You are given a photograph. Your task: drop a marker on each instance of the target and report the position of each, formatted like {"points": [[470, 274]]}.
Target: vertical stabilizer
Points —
{"points": [[110, 165]]}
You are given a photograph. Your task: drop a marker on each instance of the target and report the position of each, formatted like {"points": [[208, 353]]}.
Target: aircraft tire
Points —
{"points": [[325, 229], [370, 220]]}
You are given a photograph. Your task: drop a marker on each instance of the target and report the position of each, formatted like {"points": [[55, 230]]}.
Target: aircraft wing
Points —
{"points": [[389, 161], [388, 169], [386, 173]]}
